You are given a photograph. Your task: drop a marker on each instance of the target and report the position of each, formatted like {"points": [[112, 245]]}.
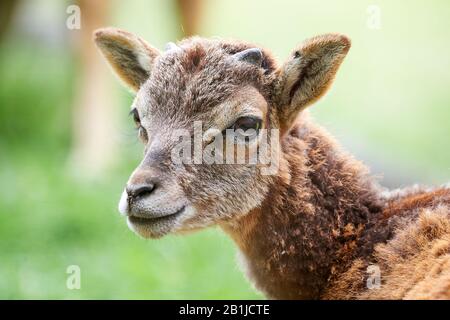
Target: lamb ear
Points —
{"points": [[130, 57], [308, 74]]}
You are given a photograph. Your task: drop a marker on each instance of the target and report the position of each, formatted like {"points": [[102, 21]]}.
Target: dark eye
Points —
{"points": [[142, 133], [246, 128], [134, 113], [247, 123]]}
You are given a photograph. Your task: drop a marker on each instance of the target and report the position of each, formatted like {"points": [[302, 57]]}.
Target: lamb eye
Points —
{"points": [[137, 120], [142, 133], [246, 128], [247, 123]]}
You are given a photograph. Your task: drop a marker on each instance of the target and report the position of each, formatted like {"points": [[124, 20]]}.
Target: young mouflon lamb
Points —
{"points": [[319, 226]]}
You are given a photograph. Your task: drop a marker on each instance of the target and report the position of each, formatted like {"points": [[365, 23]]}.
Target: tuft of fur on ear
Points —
{"points": [[130, 57], [308, 74]]}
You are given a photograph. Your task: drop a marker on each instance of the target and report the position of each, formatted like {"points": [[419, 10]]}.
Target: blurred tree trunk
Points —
{"points": [[94, 111], [190, 12], [94, 130], [6, 12]]}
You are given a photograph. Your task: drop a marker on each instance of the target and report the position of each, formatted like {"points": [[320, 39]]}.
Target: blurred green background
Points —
{"points": [[390, 106]]}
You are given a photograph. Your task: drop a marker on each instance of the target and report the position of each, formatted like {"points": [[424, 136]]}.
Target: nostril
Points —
{"points": [[140, 191]]}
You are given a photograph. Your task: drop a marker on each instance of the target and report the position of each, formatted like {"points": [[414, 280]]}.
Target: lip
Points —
{"points": [[149, 221]]}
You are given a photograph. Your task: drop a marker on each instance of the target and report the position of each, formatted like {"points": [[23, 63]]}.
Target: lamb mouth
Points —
{"points": [[142, 220]]}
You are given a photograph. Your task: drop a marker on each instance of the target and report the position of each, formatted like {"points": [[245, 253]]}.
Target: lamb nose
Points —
{"points": [[140, 191]]}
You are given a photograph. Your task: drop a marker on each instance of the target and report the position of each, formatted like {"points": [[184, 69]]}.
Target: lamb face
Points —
{"points": [[210, 114]]}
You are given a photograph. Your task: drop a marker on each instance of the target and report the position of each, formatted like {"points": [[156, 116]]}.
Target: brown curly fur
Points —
{"points": [[321, 228]]}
